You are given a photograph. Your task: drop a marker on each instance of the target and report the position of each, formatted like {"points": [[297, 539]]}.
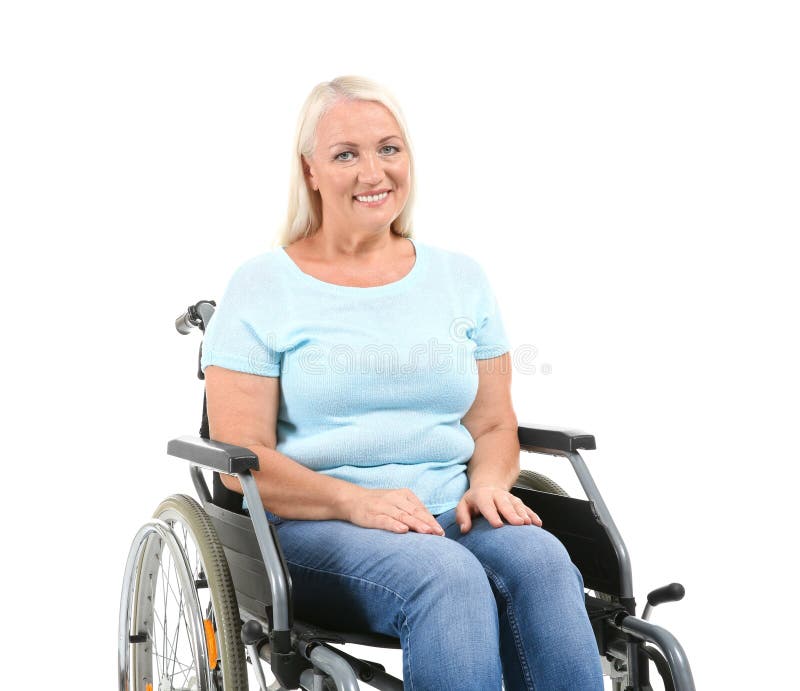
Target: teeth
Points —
{"points": [[373, 198]]}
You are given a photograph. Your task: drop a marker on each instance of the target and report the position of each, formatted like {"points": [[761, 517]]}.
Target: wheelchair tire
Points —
{"points": [[530, 479], [170, 659]]}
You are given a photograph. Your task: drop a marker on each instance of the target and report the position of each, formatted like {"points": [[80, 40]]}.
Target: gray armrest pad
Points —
{"points": [[554, 438], [214, 455]]}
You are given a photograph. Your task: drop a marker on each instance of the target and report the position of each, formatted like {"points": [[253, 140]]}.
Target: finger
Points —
{"points": [[534, 517], [462, 513], [416, 524], [510, 510], [409, 519], [522, 510], [420, 512], [392, 525], [489, 510]]}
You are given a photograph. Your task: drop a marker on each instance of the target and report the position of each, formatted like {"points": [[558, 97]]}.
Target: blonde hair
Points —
{"points": [[304, 216]]}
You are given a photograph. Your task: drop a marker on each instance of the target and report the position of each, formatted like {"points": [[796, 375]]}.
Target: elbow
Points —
{"points": [[261, 450], [509, 426]]}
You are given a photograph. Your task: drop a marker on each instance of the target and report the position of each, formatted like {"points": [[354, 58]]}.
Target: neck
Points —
{"points": [[333, 245]]}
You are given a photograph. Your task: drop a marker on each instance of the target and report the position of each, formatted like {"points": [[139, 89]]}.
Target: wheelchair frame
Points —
{"points": [[300, 654]]}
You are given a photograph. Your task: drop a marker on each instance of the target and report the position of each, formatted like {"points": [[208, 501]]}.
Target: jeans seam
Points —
{"points": [[512, 622], [408, 647]]}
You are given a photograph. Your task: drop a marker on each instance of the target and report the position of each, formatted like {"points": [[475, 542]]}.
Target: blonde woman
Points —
{"points": [[370, 372]]}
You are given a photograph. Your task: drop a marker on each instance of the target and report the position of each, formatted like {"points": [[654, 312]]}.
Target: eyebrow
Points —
{"points": [[391, 136]]}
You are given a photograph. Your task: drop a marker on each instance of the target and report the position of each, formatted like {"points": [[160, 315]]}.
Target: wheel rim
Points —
{"points": [[170, 606]]}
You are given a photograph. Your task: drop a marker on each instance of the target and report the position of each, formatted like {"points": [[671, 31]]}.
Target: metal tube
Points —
{"points": [[255, 660], [668, 644], [623, 557], [336, 667], [199, 483], [632, 656], [272, 562]]}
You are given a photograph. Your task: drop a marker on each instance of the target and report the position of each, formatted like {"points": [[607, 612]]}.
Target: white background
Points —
{"points": [[627, 174]]}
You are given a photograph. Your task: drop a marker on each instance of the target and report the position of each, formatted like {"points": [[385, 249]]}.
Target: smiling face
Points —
{"points": [[360, 167]]}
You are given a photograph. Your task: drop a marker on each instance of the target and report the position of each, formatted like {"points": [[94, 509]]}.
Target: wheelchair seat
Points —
{"points": [[234, 527]]}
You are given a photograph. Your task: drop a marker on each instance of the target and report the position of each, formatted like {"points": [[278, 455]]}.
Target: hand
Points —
{"points": [[493, 502], [396, 510]]}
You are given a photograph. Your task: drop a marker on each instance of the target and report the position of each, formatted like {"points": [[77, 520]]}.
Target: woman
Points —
{"points": [[371, 375]]}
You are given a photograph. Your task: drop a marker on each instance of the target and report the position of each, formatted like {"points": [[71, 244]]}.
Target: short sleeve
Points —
{"points": [[235, 337], [488, 333]]}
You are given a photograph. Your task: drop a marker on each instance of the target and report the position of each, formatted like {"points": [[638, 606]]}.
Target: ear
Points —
{"points": [[309, 175]]}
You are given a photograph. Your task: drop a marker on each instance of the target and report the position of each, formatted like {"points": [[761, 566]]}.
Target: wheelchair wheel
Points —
{"points": [[183, 608], [530, 479]]}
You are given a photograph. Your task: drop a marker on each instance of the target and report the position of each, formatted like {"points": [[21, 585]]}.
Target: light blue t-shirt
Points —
{"points": [[374, 381]]}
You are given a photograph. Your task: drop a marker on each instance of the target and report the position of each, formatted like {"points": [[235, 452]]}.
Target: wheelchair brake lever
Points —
{"points": [[666, 593]]}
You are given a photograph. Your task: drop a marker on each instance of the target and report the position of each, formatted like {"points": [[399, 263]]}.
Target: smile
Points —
{"points": [[372, 200]]}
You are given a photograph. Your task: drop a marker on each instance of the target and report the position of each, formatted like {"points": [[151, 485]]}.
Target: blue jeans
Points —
{"points": [[497, 605]]}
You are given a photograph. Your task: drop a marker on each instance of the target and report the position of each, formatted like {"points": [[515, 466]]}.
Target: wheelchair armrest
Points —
{"points": [[549, 439], [214, 455]]}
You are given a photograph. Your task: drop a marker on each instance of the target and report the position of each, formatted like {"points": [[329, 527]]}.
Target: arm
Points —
{"points": [[494, 465], [243, 410], [493, 425]]}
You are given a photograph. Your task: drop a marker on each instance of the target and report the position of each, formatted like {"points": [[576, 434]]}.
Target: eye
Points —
{"points": [[342, 154], [390, 146]]}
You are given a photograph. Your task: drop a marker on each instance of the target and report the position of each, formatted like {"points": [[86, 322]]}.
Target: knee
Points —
{"points": [[455, 603], [536, 554], [453, 575]]}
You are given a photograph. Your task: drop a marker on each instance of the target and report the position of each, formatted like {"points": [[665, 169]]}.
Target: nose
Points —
{"points": [[371, 171]]}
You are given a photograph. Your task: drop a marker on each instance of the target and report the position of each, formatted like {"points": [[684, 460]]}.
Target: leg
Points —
{"points": [[546, 640], [429, 591]]}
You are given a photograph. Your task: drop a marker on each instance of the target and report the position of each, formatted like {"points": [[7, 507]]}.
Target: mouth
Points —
{"points": [[372, 199]]}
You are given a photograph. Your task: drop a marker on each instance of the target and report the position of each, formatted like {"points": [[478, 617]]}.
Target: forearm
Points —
{"points": [[290, 490], [495, 462]]}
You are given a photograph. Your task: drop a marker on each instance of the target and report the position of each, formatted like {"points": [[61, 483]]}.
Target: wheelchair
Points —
{"points": [[206, 589]]}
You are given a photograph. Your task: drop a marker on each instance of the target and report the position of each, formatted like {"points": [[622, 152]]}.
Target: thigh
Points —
{"points": [[511, 551], [367, 579]]}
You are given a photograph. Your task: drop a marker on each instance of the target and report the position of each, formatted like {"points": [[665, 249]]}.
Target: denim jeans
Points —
{"points": [[497, 605]]}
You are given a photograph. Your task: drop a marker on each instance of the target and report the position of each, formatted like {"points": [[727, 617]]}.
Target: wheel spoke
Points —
{"points": [[180, 622], [178, 627]]}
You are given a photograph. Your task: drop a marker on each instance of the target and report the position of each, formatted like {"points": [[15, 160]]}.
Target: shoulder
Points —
{"points": [[260, 265], [265, 270], [454, 263]]}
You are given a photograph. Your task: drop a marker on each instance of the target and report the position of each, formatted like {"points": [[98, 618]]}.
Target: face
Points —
{"points": [[359, 152]]}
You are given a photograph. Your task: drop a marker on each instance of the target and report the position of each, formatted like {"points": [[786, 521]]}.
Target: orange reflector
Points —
{"points": [[211, 643], [148, 687]]}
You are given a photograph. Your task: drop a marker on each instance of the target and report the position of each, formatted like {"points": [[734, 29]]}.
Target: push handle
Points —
{"points": [[666, 593], [198, 314], [184, 324]]}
